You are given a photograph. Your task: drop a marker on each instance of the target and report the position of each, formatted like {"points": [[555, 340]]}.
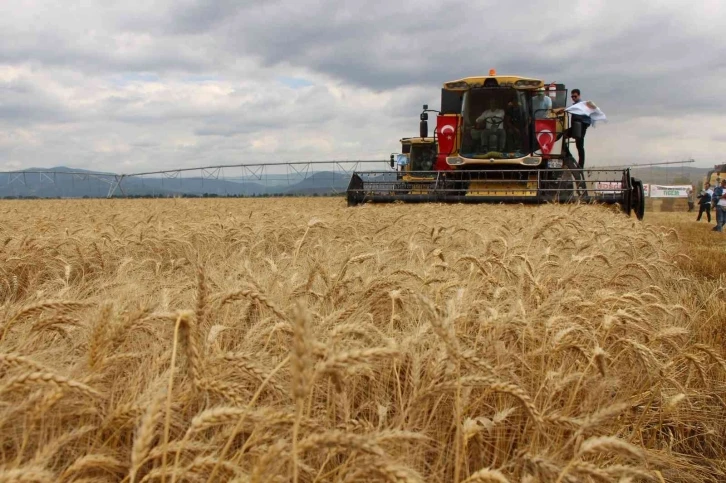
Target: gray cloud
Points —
{"points": [[185, 83]]}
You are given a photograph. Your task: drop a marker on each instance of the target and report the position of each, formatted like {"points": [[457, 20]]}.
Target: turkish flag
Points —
{"points": [[546, 132], [446, 127]]}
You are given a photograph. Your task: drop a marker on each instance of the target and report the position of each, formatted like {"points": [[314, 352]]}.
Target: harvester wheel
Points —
{"points": [[627, 203], [355, 191], [638, 198]]}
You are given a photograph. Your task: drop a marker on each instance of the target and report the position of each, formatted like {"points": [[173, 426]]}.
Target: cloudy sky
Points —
{"points": [[137, 85]]}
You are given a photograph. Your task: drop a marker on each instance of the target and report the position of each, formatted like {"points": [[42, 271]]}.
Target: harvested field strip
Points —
{"points": [[297, 339]]}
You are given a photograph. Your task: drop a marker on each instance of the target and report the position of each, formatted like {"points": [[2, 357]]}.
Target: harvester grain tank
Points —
{"points": [[500, 139]]}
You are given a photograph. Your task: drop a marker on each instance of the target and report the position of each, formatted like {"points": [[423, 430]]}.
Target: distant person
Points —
{"points": [[691, 198], [704, 202], [401, 161], [719, 204]]}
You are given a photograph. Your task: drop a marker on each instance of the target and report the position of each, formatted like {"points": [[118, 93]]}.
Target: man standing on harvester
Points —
{"points": [[586, 113]]}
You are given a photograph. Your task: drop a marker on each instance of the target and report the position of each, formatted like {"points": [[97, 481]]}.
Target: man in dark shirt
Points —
{"points": [[704, 202], [585, 121]]}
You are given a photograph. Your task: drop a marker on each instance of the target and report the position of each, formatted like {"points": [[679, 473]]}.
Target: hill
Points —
{"points": [[64, 182], [670, 175]]}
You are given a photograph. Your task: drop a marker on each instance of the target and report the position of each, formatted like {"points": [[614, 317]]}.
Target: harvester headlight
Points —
{"points": [[530, 161], [554, 163], [454, 160], [528, 83], [457, 85]]}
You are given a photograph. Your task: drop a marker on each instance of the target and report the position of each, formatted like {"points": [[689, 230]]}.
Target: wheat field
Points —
{"points": [[300, 340]]}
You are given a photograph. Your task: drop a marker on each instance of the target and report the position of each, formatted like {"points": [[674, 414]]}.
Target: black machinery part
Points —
{"points": [[627, 194], [638, 198], [355, 190]]}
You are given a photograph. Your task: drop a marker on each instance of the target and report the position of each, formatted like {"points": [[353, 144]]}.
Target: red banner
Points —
{"points": [[546, 132], [446, 127]]}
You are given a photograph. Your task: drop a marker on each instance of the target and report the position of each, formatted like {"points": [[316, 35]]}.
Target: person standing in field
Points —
{"points": [[691, 198], [719, 201], [704, 202]]}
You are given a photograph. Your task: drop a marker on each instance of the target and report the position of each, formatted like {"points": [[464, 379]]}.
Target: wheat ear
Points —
{"points": [[487, 476], [49, 377]]}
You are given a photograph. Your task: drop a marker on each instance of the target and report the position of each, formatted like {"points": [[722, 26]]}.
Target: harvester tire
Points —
{"points": [[627, 203], [638, 198], [354, 195]]}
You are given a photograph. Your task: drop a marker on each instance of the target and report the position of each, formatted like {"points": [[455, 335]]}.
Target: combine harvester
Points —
{"points": [[715, 175], [497, 140], [418, 156]]}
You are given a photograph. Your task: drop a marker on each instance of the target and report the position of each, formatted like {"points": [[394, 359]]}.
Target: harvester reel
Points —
{"points": [[570, 177]]}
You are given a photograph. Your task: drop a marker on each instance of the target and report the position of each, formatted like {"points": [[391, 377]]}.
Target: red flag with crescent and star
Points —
{"points": [[546, 132], [446, 127]]}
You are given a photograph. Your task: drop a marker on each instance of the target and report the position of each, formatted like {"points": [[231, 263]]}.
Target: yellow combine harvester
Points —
{"points": [[418, 155], [498, 139], [415, 163]]}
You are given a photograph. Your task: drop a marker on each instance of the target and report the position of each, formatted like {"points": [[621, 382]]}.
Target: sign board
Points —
{"points": [[661, 191], [608, 187]]}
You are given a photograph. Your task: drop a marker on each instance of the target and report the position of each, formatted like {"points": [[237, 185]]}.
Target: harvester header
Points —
{"points": [[498, 138]]}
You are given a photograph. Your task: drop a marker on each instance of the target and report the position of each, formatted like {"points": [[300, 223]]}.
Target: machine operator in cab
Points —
{"points": [[489, 123]]}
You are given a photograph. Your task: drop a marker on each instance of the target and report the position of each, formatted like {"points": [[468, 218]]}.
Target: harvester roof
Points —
{"points": [[515, 82]]}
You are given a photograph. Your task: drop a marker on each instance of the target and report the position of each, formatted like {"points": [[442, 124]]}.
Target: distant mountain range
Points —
{"points": [[58, 182], [670, 175]]}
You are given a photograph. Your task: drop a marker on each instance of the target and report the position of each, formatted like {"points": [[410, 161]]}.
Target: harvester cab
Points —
{"points": [[500, 139], [418, 154]]}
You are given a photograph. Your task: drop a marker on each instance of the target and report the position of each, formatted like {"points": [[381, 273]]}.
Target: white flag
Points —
{"points": [[588, 108]]}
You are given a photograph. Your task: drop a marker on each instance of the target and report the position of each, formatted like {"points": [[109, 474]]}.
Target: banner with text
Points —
{"points": [[613, 187], [661, 191]]}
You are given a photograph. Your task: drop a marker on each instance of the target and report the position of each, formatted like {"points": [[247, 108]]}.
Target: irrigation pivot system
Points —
{"points": [[227, 179]]}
